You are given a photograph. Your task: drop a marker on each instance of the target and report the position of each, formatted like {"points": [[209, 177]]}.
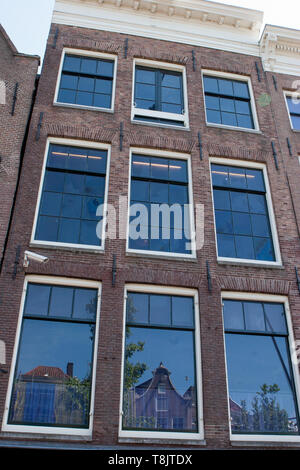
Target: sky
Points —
{"points": [[27, 22]]}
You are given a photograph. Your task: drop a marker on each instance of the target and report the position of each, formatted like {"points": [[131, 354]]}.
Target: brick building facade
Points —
{"points": [[18, 76], [125, 88]]}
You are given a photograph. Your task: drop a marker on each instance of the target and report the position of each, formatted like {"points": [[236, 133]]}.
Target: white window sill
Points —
{"points": [[48, 434], [162, 441], [233, 128], [162, 255], [259, 440], [67, 247], [82, 107], [158, 124], [250, 263]]}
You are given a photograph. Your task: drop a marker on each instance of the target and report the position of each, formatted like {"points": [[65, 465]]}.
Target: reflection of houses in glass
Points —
{"points": [[156, 404], [48, 395]]}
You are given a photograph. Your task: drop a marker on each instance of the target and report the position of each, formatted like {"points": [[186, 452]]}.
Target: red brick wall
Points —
{"points": [[19, 69], [104, 127]]}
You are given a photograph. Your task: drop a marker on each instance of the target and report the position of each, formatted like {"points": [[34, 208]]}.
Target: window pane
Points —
{"points": [[71, 206], [159, 193], [84, 98], [221, 199], [237, 177], [103, 86], [72, 63], [178, 194], [233, 315], [227, 104], [263, 248], [226, 246], [239, 201], [92, 208], [51, 204], [255, 180], [47, 228], [244, 247], [143, 91], [66, 96], [140, 191], [140, 166], [37, 299], [224, 222], [159, 168], [242, 107], [220, 176], [85, 304], [210, 85], [171, 80], [182, 311], [94, 185], [257, 203], [105, 68], [293, 105], [163, 357], [69, 231], [96, 162], [170, 95], [254, 316], [225, 87], [241, 89], [88, 65], [213, 116], [53, 374], [74, 184], [241, 223], [145, 104], [275, 318], [229, 119], [260, 225], [172, 108], [61, 302], [145, 76], [295, 122], [260, 394], [245, 121], [102, 101], [137, 308], [86, 84], [88, 233], [69, 81], [160, 310], [212, 102], [57, 156], [178, 170]]}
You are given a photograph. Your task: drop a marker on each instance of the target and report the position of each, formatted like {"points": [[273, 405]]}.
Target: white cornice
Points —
{"points": [[194, 22]]}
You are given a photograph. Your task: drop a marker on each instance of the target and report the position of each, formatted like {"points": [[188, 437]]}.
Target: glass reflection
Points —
{"points": [[159, 369], [52, 383]]}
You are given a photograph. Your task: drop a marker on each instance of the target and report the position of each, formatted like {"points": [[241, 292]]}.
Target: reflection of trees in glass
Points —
{"points": [[266, 415], [77, 398], [133, 371]]}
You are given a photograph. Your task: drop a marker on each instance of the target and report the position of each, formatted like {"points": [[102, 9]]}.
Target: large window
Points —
{"points": [[293, 105], [72, 196], [262, 393], [159, 94], [160, 392], [86, 80], [228, 102], [242, 216], [53, 373], [159, 205]]}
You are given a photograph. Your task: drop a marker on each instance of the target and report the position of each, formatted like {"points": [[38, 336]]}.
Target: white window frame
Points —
{"points": [[161, 114], [290, 94], [241, 78], [249, 262], [73, 246], [86, 53], [51, 430], [246, 296], [173, 156], [161, 435]]}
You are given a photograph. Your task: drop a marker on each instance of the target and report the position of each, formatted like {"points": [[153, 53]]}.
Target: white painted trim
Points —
{"points": [[51, 430], [76, 143], [255, 263], [258, 297], [241, 78], [161, 114], [172, 155], [148, 288], [86, 53]]}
